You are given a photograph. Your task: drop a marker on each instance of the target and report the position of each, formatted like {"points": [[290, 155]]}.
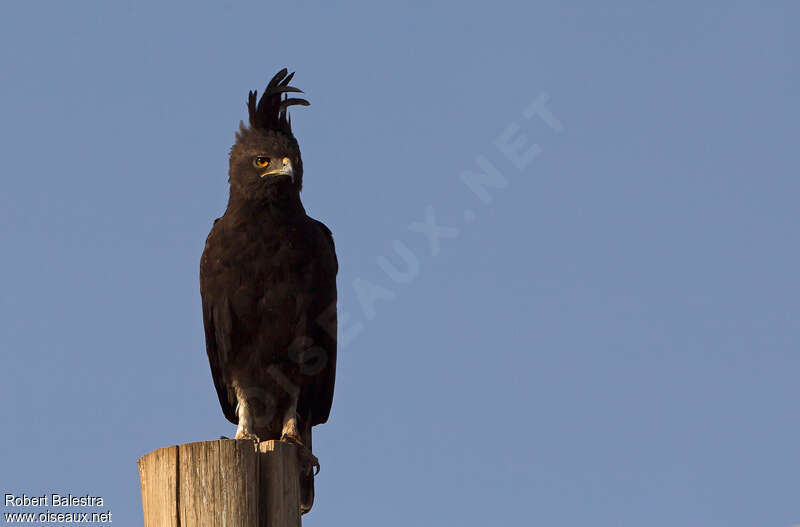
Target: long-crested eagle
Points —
{"points": [[268, 284]]}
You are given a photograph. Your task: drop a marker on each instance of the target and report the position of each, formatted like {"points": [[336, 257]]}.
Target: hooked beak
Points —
{"points": [[286, 169]]}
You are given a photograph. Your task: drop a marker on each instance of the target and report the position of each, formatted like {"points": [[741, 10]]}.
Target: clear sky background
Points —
{"points": [[610, 340]]}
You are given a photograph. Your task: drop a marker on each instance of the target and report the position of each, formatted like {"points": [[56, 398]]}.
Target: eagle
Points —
{"points": [[268, 288]]}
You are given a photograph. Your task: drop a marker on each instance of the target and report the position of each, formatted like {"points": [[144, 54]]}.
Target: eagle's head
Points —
{"points": [[265, 160]]}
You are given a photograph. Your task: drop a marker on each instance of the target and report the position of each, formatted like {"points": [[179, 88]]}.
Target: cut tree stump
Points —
{"points": [[236, 483]]}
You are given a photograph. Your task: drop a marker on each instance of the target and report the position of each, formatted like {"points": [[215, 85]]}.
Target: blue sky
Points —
{"points": [[610, 340]]}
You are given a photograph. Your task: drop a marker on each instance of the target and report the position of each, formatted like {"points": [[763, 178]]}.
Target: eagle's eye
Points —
{"points": [[261, 161]]}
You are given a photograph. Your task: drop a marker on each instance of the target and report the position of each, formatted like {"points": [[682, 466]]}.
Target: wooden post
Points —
{"points": [[235, 483]]}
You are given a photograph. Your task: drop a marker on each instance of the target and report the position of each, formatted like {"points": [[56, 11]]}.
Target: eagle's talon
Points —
{"points": [[303, 451], [286, 438], [248, 435], [311, 459]]}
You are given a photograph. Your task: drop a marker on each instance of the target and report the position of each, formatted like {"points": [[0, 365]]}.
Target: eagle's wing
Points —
{"points": [[320, 393], [217, 324]]}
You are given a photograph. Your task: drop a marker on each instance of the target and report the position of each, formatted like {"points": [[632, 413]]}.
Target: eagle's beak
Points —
{"points": [[286, 169]]}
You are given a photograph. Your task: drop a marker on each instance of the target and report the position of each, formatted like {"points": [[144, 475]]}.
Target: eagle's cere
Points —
{"points": [[268, 284]]}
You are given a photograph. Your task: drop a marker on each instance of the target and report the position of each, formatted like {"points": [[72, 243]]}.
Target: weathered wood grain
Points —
{"points": [[280, 484], [230, 483], [158, 477]]}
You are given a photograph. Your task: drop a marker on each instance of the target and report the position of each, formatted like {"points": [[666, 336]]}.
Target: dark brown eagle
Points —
{"points": [[268, 283]]}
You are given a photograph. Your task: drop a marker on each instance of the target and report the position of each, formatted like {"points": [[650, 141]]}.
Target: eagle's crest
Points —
{"points": [[270, 113]]}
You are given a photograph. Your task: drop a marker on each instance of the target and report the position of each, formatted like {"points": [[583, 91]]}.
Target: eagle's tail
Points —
{"points": [[307, 468], [306, 491]]}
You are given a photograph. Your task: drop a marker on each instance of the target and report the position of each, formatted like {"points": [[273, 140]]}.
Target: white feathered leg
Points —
{"points": [[243, 410]]}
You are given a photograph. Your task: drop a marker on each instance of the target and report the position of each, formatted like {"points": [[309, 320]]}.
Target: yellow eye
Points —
{"points": [[261, 161]]}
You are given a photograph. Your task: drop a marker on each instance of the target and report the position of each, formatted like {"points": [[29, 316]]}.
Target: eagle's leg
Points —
{"points": [[245, 428], [290, 431], [291, 434]]}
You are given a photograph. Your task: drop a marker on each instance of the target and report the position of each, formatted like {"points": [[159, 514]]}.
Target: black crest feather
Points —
{"points": [[270, 113]]}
